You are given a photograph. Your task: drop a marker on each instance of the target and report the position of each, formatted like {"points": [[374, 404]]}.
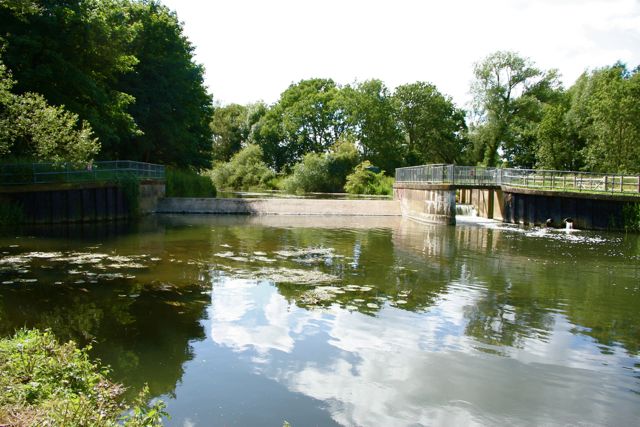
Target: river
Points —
{"points": [[252, 321]]}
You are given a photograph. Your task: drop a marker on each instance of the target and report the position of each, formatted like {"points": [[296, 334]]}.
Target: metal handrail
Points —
{"points": [[539, 179], [49, 172]]}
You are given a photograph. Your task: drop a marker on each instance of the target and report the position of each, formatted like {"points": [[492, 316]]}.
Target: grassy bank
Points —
{"points": [[44, 382]]}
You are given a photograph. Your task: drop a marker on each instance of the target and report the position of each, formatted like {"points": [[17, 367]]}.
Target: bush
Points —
{"points": [[44, 382], [323, 172], [186, 183], [245, 171], [364, 180]]}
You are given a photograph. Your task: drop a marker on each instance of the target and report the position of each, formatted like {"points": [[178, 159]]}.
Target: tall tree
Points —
{"points": [[612, 129], [72, 52], [307, 118], [230, 130], [369, 111], [508, 94], [172, 107], [432, 127]]}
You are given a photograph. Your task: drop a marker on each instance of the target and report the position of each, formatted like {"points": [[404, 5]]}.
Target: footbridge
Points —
{"points": [[527, 196]]}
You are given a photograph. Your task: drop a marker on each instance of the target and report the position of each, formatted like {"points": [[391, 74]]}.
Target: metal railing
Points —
{"points": [[50, 173], [552, 180]]}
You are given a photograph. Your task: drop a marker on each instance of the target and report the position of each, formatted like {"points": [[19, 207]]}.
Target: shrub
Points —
{"points": [[245, 171], [323, 172], [365, 180], [186, 183], [44, 382]]}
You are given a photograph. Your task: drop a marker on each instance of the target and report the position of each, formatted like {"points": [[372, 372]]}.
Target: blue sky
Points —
{"points": [[254, 49]]}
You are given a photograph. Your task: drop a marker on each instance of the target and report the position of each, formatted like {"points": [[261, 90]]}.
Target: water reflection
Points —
{"points": [[350, 321], [404, 368]]}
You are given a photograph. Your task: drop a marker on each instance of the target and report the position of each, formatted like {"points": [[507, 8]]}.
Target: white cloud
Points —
{"points": [[253, 49]]}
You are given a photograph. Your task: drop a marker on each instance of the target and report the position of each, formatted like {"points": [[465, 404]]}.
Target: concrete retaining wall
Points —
{"points": [[279, 206], [436, 204]]}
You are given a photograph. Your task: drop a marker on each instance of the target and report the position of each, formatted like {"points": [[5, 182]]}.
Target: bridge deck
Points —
{"points": [[533, 179]]}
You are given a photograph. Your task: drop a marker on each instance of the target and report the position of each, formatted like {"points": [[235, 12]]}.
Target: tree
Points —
{"points": [[31, 128], [246, 170], [612, 130], [508, 93], [431, 125], [230, 131], [369, 112], [323, 172], [123, 66], [172, 107], [72, 53], [308, 118]]}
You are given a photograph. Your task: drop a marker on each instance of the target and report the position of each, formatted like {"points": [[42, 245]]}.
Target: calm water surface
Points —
{"points": [[331, 321]]}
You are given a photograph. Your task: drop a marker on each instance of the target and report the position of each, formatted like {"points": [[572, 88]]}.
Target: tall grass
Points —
{"points": [[185, 183]]}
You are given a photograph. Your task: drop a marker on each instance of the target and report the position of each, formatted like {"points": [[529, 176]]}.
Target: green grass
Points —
{"points": [[47, 383]]}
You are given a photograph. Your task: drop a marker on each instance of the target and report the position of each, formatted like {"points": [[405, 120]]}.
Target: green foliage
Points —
{"points": [[308, 118], [44, 382], [364, 180], [323, 172], [246, 170], [186, 183], [432, 127], [171, 105], [31, 128], [73, 53], [612, 126], [232, 127], [122, 66], [371, 118], [509, 92]]}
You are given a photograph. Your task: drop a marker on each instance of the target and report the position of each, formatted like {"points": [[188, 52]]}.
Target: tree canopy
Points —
{"points": [[123, 66]]}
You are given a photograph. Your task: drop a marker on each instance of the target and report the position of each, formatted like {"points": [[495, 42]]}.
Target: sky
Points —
{"points": [[254, 49]]}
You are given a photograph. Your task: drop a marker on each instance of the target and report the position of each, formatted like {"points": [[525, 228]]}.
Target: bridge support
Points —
{"points": [[427, 203]]}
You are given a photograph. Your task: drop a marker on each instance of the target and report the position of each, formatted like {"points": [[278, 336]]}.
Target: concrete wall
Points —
{"points": [[279, 206], [150, 193], [436, 204]]}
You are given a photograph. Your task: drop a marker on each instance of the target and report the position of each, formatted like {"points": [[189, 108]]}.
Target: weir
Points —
{"points": [[523, 196]]}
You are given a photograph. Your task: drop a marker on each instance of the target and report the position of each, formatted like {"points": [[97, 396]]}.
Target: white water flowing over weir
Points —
{"points": [[465, 210]]}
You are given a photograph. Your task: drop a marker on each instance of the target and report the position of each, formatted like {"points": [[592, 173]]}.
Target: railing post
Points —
{"points": [[621, 183]]}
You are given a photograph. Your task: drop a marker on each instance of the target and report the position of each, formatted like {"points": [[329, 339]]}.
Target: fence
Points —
{"points": [[49, 173], [523, 178]]}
